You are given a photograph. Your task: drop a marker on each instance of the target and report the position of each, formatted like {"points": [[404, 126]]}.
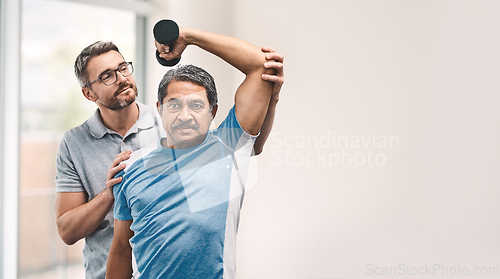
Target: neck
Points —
{"points": [[121, 120], [180, 145]]}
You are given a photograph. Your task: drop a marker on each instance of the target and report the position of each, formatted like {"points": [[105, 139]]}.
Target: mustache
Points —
{"points": [[185, 125], [123, 86]]}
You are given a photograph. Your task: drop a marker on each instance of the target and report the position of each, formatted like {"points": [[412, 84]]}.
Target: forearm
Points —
{"points": [[81, 221], [119, 263], [265, 131], [242, 55]]}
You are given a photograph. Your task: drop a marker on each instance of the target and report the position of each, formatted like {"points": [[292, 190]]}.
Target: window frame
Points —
{"points": [[10, 108]]}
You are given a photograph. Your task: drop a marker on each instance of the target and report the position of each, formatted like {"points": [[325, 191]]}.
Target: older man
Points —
{"points": [[179, 201]]}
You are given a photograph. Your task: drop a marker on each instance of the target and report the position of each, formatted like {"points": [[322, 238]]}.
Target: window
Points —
{"points": [[53, 34]]}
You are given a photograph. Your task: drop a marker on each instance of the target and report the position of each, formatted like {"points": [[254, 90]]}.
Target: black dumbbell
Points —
{"points": [[166, 32]]}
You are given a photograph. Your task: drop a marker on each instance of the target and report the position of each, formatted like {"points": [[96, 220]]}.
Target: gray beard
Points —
{"points": [[120, 104]]}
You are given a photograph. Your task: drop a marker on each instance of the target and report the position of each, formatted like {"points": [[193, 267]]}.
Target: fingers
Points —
{"points": [[116, 167], [274, 61], [114, 170], [273, 78], [112, 182], [279, 77], [278, 57], [165, 51], [175, 50], [162, 48], [120, 158], [267, 49], [271, 54], [274, 65], [169, 55]]}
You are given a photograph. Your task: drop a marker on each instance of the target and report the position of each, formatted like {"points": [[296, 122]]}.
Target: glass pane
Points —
{"points": [[53, 34]]}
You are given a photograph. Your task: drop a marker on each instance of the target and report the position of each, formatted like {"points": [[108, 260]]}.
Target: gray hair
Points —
{"points": [[189, 73], [88, 53]]}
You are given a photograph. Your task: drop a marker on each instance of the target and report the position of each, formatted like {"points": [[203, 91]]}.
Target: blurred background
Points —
{"points": [[384, 157]]}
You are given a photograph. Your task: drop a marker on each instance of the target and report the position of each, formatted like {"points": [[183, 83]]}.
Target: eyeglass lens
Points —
{"points": [[109, 77]]}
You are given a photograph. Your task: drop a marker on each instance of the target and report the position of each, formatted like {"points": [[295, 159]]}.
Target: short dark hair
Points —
{"points": [[190, 73], [88, 53]]}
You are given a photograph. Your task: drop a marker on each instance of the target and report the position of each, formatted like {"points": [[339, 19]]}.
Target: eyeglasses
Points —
{"points": [[109, 77]]}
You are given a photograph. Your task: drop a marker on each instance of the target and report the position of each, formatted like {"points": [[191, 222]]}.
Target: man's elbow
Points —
{"points": [[67, 237], [257, 151], [257, 65]]}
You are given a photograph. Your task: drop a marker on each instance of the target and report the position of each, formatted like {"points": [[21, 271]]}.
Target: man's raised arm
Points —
{"points": [[253, 95]]}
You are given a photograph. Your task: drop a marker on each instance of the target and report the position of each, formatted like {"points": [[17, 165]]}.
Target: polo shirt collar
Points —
{"points": [[146, 121], [97, 128]]}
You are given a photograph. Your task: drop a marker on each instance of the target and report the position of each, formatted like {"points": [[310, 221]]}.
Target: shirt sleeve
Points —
{"points": [[67, 178], [231, 133], [122, 210]]}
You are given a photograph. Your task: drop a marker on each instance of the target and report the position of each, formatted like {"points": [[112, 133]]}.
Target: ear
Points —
{"points": [[214, 110], [89, 94], [158, 107]]}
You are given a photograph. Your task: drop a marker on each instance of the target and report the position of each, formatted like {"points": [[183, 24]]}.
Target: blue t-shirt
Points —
{"points": [[185, 204]]}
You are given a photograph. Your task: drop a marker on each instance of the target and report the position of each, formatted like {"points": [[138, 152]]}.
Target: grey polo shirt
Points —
{"points": [[83, 160]]}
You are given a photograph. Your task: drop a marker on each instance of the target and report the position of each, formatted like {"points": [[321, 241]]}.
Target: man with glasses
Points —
{"points": [[84, 195], [120, 125]]}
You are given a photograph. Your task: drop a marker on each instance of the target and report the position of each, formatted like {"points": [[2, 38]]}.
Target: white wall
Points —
{"points": [[423, 74]]}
